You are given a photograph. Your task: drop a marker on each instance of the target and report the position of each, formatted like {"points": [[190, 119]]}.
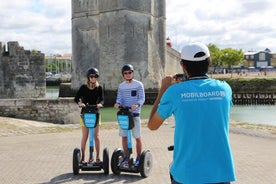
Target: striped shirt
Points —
{"points": [[130, 94]]}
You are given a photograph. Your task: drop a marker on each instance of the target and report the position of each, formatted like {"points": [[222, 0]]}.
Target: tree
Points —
{"points": [[227, 57], [231, 57], [215, 56]]}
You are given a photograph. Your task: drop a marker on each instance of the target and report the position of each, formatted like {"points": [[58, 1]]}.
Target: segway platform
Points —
{"points": [[91, 119], [77, 165], [125, 121]]}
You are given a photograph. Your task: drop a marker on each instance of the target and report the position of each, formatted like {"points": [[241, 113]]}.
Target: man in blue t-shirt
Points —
{"points": [[201, 107]]}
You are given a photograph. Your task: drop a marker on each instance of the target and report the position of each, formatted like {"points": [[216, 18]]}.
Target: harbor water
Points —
{"points": [[255, 114], [52, 91]]}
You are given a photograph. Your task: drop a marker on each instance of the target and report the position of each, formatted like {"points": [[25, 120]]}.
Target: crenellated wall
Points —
{"points": [[22, 72]]}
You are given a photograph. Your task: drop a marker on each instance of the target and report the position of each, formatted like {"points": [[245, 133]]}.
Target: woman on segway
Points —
{"points": [[90, 93]]}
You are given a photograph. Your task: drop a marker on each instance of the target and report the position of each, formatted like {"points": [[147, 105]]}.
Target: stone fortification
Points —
{"points": [[108, 34], [58, 111], [22, 72]]}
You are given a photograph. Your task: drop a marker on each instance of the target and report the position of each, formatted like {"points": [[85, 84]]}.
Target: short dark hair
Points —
{"points": [[197, 68]]}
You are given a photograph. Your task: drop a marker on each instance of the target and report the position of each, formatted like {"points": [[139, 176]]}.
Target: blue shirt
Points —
{"points": [[201, 109], [130, 94]]}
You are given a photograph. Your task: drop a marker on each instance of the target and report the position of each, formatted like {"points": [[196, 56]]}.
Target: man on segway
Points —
{"points": [[131, 94]]}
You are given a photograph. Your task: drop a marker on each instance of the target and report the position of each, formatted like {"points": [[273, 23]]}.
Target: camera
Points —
{"points": [[180, 77]]}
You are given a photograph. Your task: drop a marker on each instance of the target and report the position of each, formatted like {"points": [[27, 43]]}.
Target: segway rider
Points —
{"points": [[201, 108], [131, 94], [90, 93]]}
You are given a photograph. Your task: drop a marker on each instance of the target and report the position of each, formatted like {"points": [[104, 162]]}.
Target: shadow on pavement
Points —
{"points": [[90, 177]]}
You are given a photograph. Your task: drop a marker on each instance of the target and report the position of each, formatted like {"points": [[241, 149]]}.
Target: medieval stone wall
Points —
{"points": [[108, 34], [172, 66], [58, 111], [1, 71], [22, 72]]}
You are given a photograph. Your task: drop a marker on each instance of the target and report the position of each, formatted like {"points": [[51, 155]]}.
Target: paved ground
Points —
{"points": [[41, 153]]}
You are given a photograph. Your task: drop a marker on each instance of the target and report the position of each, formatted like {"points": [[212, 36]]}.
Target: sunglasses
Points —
{"points": [[93, 76], [125, 73]]}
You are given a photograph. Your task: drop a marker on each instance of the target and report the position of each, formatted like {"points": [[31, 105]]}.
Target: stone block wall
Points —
{"points": [[1, 71], [22, 72], [172, 66], [108, 34], [58, 111]]}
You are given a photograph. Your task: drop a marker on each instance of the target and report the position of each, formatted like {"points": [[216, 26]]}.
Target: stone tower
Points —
{"points": [[107, 34]]}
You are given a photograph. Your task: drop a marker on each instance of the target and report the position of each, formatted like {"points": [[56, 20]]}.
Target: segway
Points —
{"points": [[91, 119], [171, 148], [125, 121]]}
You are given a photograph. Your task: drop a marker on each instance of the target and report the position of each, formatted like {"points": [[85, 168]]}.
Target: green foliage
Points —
{"points": [[34, 51], [225, 57], [56, 65], [231, 57], [109, 114], [255, 85], [215, 55]]}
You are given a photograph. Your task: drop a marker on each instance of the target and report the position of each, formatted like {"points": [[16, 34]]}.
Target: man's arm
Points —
{"points": [[141, 95], [155, 121]]}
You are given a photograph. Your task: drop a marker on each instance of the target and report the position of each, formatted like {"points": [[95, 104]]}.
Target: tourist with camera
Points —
{"points": [[201, 109]]}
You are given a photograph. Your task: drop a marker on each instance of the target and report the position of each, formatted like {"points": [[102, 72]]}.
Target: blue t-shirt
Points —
{"points": [[201, 110]]}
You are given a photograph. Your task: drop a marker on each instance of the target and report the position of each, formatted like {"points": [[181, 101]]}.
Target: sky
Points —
{"points": [[45, 25]]}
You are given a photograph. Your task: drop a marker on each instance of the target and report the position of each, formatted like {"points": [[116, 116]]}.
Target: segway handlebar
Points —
{"points": [[124, 107], [171, 148], [90, 106]]}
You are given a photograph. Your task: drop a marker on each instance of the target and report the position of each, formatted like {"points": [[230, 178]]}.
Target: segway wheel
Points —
{"points": [[106, 161], [145, 163], [117, 156], [76, 161]]}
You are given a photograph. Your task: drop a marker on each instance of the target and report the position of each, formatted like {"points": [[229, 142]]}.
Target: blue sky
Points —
{"points": [[45, 25]]}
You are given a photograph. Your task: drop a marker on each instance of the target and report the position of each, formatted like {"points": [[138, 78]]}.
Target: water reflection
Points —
{"points": [[257, 114], [52, 91]]}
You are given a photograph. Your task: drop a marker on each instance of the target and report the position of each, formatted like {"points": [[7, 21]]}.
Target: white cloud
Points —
{"points": [[45, 25], [244, 25]]}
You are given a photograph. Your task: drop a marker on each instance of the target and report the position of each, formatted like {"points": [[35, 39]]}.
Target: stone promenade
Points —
{"points": [[41, 153]]}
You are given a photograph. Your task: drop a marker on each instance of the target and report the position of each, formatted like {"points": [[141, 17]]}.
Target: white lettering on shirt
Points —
{"points": [[203, 96]]}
